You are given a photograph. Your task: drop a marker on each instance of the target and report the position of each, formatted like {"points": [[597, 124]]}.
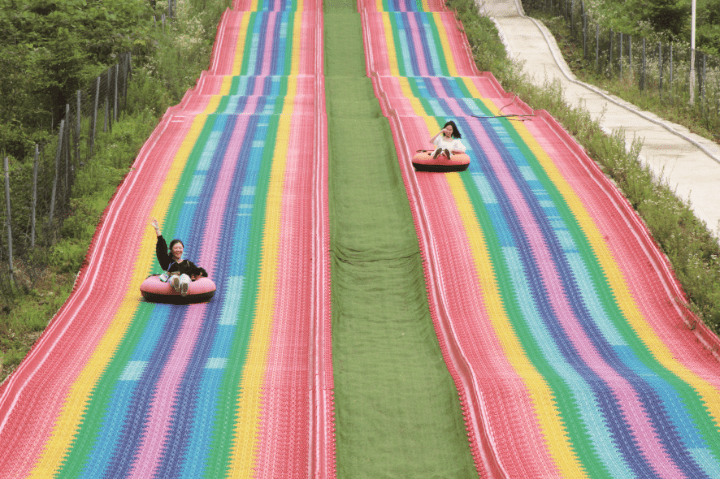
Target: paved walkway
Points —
{"points": [[688, 162]]}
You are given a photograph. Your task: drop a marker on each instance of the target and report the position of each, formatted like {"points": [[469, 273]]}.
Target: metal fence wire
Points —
{"points": [[37, 190], [673, 72]]}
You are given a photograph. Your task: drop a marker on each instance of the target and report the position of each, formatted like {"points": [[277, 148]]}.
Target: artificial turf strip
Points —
{"points": [[397, 408]]}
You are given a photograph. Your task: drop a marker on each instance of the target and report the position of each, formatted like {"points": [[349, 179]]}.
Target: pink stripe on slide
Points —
{"points": [[422, 62], [629, 404], [270, 45], [163, 405]]}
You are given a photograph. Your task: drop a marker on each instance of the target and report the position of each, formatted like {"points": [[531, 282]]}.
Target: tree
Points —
{"points": [[49, 49], [672, 16]]}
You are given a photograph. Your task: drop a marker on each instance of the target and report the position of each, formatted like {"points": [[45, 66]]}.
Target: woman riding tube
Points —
{"points": [[447, 141], [180, 272]]}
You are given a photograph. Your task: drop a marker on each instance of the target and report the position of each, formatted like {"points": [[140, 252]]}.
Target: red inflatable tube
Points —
{"points": [[424, 161], [199, 291]]}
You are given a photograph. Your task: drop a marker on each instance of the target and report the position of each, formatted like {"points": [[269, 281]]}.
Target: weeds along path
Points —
{"points": [[397, 410], [560, 320], [240, 385]]}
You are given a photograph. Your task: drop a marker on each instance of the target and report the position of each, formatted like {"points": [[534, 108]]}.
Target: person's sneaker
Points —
{"points": [[437, 153], [175, 281], [184, 289], [447, 154]]}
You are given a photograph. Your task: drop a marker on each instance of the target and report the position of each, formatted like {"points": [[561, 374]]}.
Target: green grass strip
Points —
{"points": [[397, 408]]}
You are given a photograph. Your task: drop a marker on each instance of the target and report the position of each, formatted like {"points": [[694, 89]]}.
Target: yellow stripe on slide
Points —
{"points": [[246, 441], [710, 396], [442, 33], [240, 46], [390, 44], [546, 412]]}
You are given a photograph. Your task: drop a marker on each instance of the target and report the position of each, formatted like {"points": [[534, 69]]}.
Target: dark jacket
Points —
{"points": [[167, 263]]}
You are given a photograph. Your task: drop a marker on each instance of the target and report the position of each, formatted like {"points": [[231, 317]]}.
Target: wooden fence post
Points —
{"points": [[660, 68], [66, 149], [644, 63], [8, 217], [57, 166], [597, 45], [610, 52], [107, 103], [94, 120], [630, 56], [115, 96], [78, 126], [33, 205], [703, 78], [670, 78], [620, 59], [585, 36]]}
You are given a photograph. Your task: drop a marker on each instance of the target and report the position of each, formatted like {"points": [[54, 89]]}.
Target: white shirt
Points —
{"points": [[452, 144]]}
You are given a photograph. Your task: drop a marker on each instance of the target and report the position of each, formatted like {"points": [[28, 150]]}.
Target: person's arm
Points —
{"points": [[195, 271], [432, 140], [161, 249]]}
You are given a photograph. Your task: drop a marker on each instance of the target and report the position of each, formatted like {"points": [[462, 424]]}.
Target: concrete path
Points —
{"points": [[688, 162]]}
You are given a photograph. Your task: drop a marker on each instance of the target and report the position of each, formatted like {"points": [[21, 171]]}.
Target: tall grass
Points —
{"points": [[161, 76], [690, 246]]}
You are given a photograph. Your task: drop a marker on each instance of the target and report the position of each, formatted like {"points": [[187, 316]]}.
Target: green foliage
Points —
{"points": [[663, 15], [708, 37], [50, 49], [490, 54], [668, 19]]}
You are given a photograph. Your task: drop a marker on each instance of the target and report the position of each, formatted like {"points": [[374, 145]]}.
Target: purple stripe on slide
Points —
{"points": [[161, 409], [411, 26], [627, 399]]}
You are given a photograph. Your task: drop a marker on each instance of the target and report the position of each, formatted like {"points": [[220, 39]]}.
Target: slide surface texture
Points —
{"points": [[560, 320]]}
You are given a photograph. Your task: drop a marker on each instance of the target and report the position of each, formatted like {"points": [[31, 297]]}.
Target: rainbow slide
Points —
{"points": [[559, 318], [560, 322], [238, 386]]}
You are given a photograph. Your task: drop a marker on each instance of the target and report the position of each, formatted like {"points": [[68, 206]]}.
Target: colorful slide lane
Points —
{"points": [[560, 320], [239, 386]]}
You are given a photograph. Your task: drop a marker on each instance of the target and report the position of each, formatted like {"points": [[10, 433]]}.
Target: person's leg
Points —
{"points": [[175, 282], [184, 284]]}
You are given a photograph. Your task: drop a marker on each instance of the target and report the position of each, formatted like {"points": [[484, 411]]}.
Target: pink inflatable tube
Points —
{"points": [[423, 161], [199, 291]]}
